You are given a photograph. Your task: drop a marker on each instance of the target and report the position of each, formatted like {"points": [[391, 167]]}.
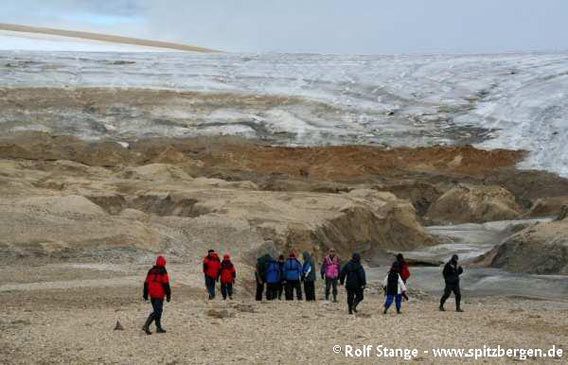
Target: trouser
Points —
{"points": [[210, 284], [397, 301], [448, 291], [310, 290], [272, 290], [227, 289], [329, 284], [292, 285], [259, 290], [354, 297], [157, 310], [280, 290]]}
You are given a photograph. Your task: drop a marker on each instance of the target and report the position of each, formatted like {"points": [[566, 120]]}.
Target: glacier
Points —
{"points": [[511, 101]]}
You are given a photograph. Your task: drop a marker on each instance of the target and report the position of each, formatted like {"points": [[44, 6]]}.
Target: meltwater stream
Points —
{"points": [[469, 241]]}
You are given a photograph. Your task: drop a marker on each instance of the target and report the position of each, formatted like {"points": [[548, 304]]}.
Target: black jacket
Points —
{"points": [[353, 275], [261, 266], [392, 283], [452, 273]]}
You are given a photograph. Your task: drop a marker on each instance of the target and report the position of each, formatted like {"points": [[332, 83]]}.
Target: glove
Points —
{"points": [[145, 297], [168, 299]]}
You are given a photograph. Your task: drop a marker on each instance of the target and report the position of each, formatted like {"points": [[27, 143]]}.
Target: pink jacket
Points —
{"points": [[331, 267]]}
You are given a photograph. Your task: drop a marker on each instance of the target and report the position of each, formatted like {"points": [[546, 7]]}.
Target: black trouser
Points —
{"points": [[227, 289], [210, 284], [310, 290], [259, 291], [157, 310], [280, 290], [272, 290], [329, 284], [290, 286], [448, 290], [354, 297]]}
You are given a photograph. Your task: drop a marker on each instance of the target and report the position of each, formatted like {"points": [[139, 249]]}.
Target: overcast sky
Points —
{"points": [[321, 26]]}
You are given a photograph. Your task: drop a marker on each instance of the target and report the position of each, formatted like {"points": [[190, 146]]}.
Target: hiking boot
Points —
{"points": [[146, 327], [459, 310], [230, 297], [441, 308], [160, 330], [385, 311], [355, 309], [398, 311]]}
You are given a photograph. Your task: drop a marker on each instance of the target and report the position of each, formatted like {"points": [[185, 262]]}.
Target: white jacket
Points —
{"points": [[401, 286]]}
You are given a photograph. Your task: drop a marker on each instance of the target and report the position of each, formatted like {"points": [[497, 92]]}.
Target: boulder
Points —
{"points": [[538, 249], [473, 204]]}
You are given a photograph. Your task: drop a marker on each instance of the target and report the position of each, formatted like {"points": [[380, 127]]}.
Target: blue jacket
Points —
{"points": [[273, 272], [293, 269]]}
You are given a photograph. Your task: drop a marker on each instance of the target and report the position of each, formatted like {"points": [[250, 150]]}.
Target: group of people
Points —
{"points": [[287, 275], [281, 275], [215, 270]]}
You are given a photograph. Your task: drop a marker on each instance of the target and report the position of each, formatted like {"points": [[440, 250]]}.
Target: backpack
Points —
{"points": [[273, 272], [331, 268], [293, 269]]}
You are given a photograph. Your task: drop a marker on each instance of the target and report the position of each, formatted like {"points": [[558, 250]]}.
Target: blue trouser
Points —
{"points": [[210, 284], [397, 300], [227, 289], [158, 308]]}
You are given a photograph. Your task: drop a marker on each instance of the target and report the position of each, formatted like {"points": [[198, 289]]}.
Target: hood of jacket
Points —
{"points": [[161, 261]]}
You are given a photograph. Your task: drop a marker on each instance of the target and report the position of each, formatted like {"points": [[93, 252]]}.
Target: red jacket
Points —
{"points": [[211, 266], [157, 283], [228, 272], [404, 272]]}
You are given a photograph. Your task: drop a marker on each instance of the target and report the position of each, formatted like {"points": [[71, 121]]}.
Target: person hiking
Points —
{"points": [[281, 262], [228, 273], [353, 276], [452, 272], [273, 279], [293, 274], [211, 268], [260, 275], [309, 276], [404, 271], [157, 286], [394, 288], [330, 269]]}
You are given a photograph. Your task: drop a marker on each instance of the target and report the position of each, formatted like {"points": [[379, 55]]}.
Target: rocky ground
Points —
{"points": [[81, 223], [66, 313]]}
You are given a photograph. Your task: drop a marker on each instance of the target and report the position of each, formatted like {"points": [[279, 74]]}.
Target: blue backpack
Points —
{"points": [[293, 269], [273, 272]]}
